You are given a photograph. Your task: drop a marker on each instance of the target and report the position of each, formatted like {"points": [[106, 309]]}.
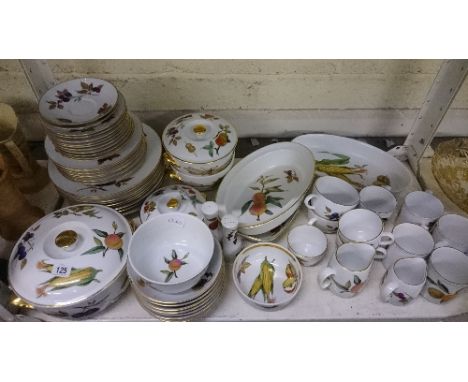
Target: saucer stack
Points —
{"points": [[98, 151]]}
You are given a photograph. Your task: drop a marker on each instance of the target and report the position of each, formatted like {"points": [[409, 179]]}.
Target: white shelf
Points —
{"points": [[311, 304]]}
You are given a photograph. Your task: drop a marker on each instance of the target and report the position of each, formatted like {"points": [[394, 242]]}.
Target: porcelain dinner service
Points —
{"points": [[78, 260]]}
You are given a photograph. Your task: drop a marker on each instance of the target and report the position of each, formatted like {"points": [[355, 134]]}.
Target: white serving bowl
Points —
{"points": [[201, 182], [267, 275], [307, 243], [171, 252]]}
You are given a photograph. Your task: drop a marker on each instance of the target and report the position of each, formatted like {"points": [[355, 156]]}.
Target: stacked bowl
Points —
{"points": [[176, 267], [99, 152], [200, 149]]}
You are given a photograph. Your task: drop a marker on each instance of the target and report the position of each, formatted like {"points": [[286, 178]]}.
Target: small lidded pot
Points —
{"points": [[199, 144], [72, 262]]}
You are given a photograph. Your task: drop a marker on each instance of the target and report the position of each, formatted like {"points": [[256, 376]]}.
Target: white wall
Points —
{"points": [[354, 97]]}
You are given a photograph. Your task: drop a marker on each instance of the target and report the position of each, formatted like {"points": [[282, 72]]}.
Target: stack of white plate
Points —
{"points": [[98, 151]]}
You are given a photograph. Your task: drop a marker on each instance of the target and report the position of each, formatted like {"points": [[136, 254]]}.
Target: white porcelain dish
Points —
{"points": [[356, 162], [78, 101], [71, 260], [152, 294], [267, 275], [105, 191], [266, 187], [202, 182], [179, 198], [199, 142], [171, 252], [115, 157]]}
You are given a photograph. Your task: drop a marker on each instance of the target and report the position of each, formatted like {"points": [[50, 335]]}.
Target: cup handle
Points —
{"points": [[324, 277], [312, 221], [386, 239], [380, 253], [20, 158], [442, 243], [387, 289], [307, 201]]}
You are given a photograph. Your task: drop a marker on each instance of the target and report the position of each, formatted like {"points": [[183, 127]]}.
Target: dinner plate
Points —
{"points": [[358, 163], [266, 187], [119, 186]]}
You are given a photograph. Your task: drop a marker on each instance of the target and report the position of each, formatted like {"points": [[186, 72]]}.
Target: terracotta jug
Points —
{"points": [[27, 175], [16, 213]]}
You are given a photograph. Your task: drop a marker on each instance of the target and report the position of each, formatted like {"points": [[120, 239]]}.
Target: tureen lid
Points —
{"points": [[69, 255], [178, 198], [199, 138], [78, 101]]}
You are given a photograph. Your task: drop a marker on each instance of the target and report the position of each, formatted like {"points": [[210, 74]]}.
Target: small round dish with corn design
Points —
{"points": [[267, 275]]}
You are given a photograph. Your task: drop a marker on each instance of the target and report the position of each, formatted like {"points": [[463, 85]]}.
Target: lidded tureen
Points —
{"points": [[199, 146], [72, 262]]}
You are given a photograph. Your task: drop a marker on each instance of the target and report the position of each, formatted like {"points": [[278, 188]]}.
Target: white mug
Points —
{"points": [[447, 275], [421, 208], [325, 225], [348, 269], [411, 240], [331, 197], [379, 200], [403, 282], [451, 231], [307, 243], [364, 226]]}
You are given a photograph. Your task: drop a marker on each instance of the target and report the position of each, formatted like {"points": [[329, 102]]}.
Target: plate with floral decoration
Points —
{"points": [[179, 198], [69, 256], [78, 101], [266, 187], [199, 138], [123, 152], [116, 186]]}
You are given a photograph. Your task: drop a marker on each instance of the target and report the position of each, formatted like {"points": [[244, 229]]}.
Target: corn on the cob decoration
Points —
{"points": [[336, 167], [77, 277], [290, 284], [264, 282]]}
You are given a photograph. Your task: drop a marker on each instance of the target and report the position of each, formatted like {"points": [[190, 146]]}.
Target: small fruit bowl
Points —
{"points": [[170, 253], [267, 275]]}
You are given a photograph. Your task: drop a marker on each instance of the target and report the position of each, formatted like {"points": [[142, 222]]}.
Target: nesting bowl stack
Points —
{"points": [[98, 151]]}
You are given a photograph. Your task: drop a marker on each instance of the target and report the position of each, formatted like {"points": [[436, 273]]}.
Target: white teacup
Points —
{"points": [[307, 243], [325, 225], [403, 282], [363, 226], [421, 208], [379, 200], [331, 197], [411, 240], [348, 269], [451, 231], [447, 275]]}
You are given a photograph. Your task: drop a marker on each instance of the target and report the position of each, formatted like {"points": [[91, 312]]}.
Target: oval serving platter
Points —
{"points": [[358, 163], [265, 188]]}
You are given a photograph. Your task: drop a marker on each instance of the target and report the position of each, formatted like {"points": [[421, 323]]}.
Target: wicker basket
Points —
{"points": [[450, 169]]}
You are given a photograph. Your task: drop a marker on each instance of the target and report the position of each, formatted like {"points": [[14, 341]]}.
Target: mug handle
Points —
{"points": [[312, 221], [442, 243], [387, 289], [386, 239], [307, 201], [380, 253], [20, 158], [324, 277]]}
